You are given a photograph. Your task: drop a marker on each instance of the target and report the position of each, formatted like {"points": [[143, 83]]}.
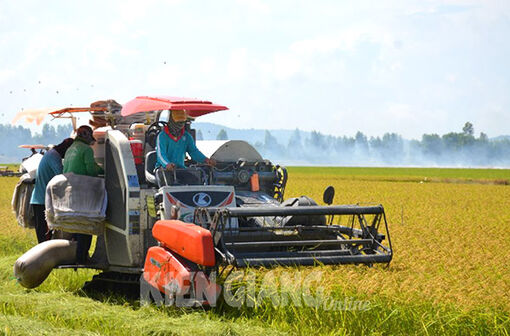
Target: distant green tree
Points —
{"points": [[460, 141], [468, 129], [483, 137], [375, 142], [269, 140], [361, 142], [222, 135], [452, 140], [52, 135], [317, 140], [295, 145], [12, 137], [345, 142], [49, 132], [389, 148], [360, 138], [295, 139], [271, 144], [64, 131], [199, 135], [431, 144]]}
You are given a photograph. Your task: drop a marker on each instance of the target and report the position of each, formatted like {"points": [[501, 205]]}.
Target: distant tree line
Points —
{"points": [[451, 149], [13, 136]]}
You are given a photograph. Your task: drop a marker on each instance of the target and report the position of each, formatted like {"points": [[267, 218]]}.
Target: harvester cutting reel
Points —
{"points": [[297, 235]]}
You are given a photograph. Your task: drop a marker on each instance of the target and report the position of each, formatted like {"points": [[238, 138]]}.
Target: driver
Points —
{"points": [[173, 143]]}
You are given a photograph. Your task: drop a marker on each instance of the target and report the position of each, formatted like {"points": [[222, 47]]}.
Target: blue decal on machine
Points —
{"points": [[134, 222], [133, 181]]}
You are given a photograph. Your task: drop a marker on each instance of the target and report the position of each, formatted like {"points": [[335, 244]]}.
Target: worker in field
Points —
{"points": [[80, 160], [49, 166], [172, 145]]}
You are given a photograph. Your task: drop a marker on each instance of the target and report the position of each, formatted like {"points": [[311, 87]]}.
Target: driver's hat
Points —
{"points": [[179, 115]]}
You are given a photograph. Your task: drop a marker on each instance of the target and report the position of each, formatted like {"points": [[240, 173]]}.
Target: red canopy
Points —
{"points": [[193, 107]]}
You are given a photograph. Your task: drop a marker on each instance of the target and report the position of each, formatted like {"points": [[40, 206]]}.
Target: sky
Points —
{"points": [[338, 67]]}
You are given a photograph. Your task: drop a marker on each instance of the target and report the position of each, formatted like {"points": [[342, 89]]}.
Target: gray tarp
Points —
{"points": [[21, 201], [76, 203]]}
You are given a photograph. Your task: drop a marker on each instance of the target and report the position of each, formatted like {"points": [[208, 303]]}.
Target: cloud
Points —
{"points": [[6, 75], [360, 65], [255, 5], [164, 77], [238, 65]]}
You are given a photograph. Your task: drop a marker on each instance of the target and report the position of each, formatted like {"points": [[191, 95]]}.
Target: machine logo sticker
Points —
{"points": [[202, 199]]}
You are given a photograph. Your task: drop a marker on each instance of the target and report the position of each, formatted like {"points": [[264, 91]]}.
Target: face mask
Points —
{"points": [[175, 127]]}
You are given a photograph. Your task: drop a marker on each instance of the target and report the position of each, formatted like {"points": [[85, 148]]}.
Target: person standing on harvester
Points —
{"points": [[50, 165], [80, 160]]}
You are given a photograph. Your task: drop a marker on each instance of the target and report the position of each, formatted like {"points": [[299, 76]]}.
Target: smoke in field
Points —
{"points": [[391, 150], [297, 147]]}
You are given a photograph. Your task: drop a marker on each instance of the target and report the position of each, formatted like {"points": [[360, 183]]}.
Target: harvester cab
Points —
{"points": [[175, 230]]}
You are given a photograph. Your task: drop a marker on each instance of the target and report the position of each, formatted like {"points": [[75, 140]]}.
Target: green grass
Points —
{"points": [[60, 307], [61, 310], [11, 166], [411, 174]]}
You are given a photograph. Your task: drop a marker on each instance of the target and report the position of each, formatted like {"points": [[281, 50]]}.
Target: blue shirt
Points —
{"points": [[174, 151], [50, 165]]}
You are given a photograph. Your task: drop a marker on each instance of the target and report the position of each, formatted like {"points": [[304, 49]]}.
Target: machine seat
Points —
{"points": [[150, 164], [188, 176]]}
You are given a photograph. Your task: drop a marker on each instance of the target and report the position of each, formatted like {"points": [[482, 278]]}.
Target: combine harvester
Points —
{"points": [[173, 236]]}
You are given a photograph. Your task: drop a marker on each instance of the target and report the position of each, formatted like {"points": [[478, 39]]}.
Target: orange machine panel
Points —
{"points": [[188, 240], [162, 269], [173, 276]]}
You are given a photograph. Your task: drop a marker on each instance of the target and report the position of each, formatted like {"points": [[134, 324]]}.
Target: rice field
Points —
{"points": [[450, 273], [451, 240]]}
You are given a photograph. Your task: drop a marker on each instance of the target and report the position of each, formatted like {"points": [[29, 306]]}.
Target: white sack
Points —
{"points": [[31, 164]]}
